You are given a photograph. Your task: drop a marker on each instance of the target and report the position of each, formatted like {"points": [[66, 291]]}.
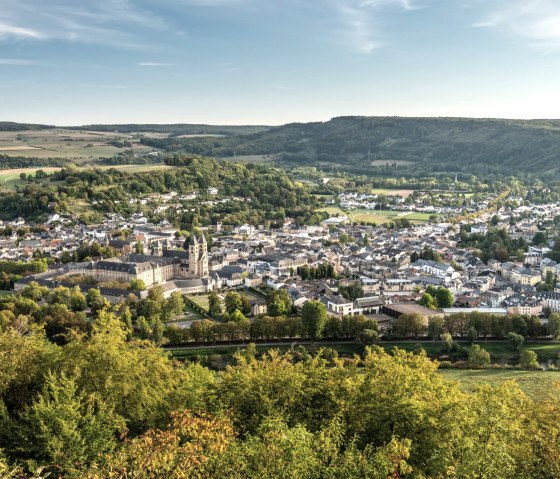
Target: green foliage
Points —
{"points": [[515, 341], [528, 359], [106, 405], [444, 297], [137, 284], [351, 291], [314, 319], [428, 301], [214, 305], [66, 427], [233, 302], [478, 357]]}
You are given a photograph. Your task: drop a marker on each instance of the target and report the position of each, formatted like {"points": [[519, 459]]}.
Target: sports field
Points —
{"points": [[377, 216]]}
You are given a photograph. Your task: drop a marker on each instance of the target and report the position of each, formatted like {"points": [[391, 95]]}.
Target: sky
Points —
{"points": [[74, 62]]}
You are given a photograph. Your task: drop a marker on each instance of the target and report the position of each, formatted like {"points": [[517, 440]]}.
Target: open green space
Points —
{"points": [[535, 384], [377, 216], [201, 301], [67, 144], [382, 216]]}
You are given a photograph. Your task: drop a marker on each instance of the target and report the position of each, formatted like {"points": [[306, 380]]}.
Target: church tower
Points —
{"points": [[198, 257]]}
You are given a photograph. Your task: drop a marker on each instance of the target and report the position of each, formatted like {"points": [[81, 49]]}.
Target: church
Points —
{"points": [[164, 264]]}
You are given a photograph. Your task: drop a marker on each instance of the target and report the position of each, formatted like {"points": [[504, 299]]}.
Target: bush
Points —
{"points": [[479, 358]]}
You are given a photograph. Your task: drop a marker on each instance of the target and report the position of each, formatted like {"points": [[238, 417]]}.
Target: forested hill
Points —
{"points": [[12, 126], [372, 145]]}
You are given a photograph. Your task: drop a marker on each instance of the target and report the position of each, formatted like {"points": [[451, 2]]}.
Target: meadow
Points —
{"points": [[377, 216], [78, 146], [536, 384]]}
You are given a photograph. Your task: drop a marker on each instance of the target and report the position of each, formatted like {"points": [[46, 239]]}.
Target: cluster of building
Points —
{"points": [[375, 259]]}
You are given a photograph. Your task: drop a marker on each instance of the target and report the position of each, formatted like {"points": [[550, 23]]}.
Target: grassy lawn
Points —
{"points": [[382, 216], [332, 210], [386, 191], [535, 384], [5, 293], [500, 351], [200, 300]]}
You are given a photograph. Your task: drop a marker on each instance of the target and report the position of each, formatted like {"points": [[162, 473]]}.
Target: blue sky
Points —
{"points": [[276, 61]]}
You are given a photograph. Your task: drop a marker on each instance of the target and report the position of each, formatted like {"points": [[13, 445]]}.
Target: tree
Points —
{"points": [[233, 302], [157, 330], [313, 318], [237, 316], [515, 341], [214, 305], [478, 357], [77, 299], [446, 342], [68, 428], [281, 300], [553, 326], [528, 360], [137, 284], [539, 238], [427, 301], [444, 297], [472, 334], [34, 291], [435, 327], [245, 304], [174, 305], [143, 327]]}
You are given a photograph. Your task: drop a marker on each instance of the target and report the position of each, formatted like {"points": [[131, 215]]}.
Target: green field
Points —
{"points": [[535, 384], [200, 300], [383, 216], [376, 216], [80, 146]]}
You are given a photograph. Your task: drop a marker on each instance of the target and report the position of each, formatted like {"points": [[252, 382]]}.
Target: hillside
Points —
{"points": [[403, 146], [176, 129]]}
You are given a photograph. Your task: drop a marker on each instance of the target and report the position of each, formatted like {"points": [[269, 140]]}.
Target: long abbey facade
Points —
{"points": [[162, 265]]}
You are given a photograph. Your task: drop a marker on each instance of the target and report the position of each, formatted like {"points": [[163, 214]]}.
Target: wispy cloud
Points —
{"points": [[18, 32], [18, 61], [154, 64], [361, 20], [120, 23], [538, 21]]}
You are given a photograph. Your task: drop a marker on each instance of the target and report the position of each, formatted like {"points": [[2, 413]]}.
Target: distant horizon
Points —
{"points": [[412, 117]]}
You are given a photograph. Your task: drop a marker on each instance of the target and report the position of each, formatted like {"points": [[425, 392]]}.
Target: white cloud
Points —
{"points": [[361, 19], [538, 21], [154, 64], [17, 61], [18, 32], [119, 23]]}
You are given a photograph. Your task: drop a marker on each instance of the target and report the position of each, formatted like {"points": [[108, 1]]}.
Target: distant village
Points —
{"points": [[384, 263]]}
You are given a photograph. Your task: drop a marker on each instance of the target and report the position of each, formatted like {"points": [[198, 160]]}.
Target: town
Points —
{"points": [[352, 268]]}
